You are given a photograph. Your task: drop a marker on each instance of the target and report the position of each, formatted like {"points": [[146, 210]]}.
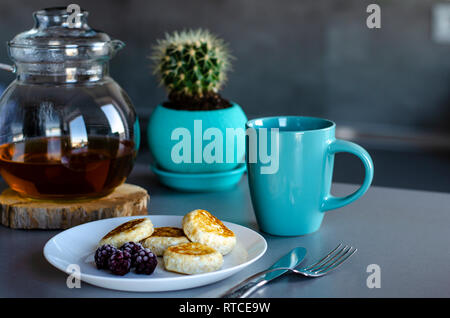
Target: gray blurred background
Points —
{"points": [[387, 88]]}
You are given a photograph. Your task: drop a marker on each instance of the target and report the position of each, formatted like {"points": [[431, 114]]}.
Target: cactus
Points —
{"points": [[191, 64]]}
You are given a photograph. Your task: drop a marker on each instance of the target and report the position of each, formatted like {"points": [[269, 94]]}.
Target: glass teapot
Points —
{"points": [[67, 129]]}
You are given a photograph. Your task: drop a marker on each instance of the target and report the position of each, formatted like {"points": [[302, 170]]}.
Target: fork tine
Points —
{"points": [[338, 254], [321, 261], [338, 261], [335, 258]]}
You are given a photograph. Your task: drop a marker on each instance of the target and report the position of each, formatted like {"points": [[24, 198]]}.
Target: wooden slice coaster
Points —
{"points": [[23, 213]]}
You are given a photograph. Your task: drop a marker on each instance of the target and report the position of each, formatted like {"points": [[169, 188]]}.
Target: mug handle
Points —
{"points": [[331, 202]]}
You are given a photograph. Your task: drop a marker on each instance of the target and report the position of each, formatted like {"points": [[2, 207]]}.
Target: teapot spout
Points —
{"points": [[116, 46]]}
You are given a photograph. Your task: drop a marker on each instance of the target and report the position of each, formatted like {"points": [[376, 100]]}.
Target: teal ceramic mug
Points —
{"points": [[290, 167]]}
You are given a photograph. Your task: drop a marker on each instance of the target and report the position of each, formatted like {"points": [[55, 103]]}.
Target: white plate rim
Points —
{"points": [[223, 273]]}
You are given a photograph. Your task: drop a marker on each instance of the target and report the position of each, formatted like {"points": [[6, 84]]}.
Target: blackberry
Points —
{"points": [[133, 248], [146, 262], [120, 262], [102, 255]]}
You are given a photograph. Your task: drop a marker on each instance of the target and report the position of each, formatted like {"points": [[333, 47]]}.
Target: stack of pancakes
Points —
{"points": [[197, 247]]}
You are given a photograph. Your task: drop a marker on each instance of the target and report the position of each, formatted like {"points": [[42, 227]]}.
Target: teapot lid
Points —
{"points": [[59, 35]]}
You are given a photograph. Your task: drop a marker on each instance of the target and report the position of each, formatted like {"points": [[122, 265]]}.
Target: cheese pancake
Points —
{"points": [[192, 258], [163, 237], [203, 227], [131, 231]]}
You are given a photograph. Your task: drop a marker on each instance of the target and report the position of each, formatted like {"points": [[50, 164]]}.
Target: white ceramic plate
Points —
{"points": [[77, 246]]}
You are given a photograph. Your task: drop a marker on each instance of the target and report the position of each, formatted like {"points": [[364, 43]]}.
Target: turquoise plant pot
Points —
{"points": [[187, 141]]}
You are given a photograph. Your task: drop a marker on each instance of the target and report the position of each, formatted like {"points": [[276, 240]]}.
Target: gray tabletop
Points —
{"points": [[404, 232]]}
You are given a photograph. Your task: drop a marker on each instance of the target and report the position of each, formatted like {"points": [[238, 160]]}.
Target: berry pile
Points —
{"points": [[121, 261]]}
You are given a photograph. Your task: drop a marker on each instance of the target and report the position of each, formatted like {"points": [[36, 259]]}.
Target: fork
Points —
{"points": [[322, 267]]}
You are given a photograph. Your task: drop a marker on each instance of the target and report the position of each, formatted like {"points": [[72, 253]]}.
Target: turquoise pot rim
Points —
{"points": [[331, 125], [234, 105]]}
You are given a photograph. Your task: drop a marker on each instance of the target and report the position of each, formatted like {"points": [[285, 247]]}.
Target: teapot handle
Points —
{"points": [[7, 67]]}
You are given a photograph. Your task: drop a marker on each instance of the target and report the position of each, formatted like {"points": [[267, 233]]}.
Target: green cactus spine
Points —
{"points": [[191, 63]]}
